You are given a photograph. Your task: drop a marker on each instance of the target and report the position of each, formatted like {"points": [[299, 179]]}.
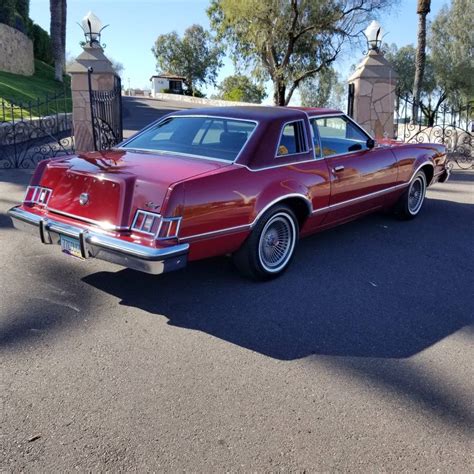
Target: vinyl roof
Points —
{"points": [[257, 112]]}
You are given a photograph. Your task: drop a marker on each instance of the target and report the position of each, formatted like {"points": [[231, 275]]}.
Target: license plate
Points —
{"points": [[71, 246]]}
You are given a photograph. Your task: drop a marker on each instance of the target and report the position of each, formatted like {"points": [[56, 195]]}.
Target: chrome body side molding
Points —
{"points": [[245, 227]]}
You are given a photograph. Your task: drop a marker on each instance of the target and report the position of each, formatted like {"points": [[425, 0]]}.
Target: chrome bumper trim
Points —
{"points": [[104, 247], [444, 176]]}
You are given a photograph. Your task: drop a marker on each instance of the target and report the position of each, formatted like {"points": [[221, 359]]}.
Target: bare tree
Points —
{"points": [[58, 10], [423, 8]]}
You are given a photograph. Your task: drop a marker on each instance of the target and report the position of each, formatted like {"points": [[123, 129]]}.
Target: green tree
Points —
{"points": [[432, 94], [322, 90], [195, 56], [403, 61], [240, 88], [423, 8], [452, 50], [289, 41]]}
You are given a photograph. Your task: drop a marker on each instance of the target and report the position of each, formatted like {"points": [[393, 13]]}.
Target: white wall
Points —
{"points": [[158, 84]]}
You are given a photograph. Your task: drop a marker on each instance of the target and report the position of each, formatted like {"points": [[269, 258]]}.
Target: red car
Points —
{"points": [[244, 181]]}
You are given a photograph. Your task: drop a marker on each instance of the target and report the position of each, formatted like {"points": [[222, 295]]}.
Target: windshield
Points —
{"points": [[207, 137]]}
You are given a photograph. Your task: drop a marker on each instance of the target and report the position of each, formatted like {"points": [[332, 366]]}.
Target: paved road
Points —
{"points": [[138, 112], [358, 359]]}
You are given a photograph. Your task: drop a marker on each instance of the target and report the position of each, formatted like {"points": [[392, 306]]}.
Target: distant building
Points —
{"points": [[166, 83]]}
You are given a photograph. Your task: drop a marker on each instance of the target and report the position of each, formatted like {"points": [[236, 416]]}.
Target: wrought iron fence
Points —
{"points": [[32, 131], [106, 113], [446, 124]]}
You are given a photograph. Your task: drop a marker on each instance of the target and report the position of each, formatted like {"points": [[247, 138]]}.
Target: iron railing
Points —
{"points": [[34, 130], [446, 124]]}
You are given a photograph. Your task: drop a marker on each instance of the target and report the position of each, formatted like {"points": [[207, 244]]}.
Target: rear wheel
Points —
{"points": [[412, 200], [268, 250]]}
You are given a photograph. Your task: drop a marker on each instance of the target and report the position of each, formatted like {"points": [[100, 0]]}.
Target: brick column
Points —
{"points": [[374, 95], [102, 79]]}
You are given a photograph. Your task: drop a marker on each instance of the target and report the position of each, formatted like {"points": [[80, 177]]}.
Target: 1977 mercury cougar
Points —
{"points": [[246, 181]]}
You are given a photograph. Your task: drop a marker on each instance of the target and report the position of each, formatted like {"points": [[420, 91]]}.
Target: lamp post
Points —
{"points": [[92, 27], [374, 34]]}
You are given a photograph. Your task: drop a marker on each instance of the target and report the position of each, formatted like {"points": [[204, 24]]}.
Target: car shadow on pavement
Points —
{"points": [[374, 288], [5, 221], [360, 299], [44, 310], [420, 383], [463, 175]]}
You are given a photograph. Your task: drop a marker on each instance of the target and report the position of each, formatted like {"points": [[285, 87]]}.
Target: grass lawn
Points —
{"points": [[25, 96]]}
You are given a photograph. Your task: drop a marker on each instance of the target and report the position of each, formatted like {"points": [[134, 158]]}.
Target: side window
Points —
{"points": [[293, 139], [339, 135]]}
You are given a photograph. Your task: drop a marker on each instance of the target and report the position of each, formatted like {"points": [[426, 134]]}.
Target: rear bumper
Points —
{"points": [[104, 247]]}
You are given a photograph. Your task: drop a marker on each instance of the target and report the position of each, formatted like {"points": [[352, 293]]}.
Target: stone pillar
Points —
{"points": [[374, 95], [102, 79]]}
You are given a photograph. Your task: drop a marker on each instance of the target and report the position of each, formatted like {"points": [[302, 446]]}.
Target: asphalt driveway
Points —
{"points": [[138, 111], [358, 359]]}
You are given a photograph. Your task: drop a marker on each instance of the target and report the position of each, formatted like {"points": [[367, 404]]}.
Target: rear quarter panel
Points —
{"points": [[232, 199], [411, 156]]}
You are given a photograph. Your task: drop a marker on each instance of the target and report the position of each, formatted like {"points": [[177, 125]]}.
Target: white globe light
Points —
{"points": [[92, 26], [374, 34]]}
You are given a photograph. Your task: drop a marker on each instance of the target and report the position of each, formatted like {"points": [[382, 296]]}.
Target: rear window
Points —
{"points": [[207, 137]]}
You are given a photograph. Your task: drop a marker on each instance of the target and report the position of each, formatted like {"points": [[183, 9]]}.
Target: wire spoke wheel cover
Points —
{"points": [[277, 242], [416, 195]]}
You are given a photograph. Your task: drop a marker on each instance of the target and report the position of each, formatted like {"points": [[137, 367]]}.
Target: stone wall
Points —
{"points": [[374, 106], [16, 52]]}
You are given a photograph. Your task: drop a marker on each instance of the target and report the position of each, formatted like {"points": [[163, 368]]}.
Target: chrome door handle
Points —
{"points": [[336, 169]]}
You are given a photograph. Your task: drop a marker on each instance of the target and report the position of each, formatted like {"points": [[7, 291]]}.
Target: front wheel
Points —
{"points": [[412, 200], [268, 250]]}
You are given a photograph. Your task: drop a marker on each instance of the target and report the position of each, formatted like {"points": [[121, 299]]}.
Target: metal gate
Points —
{"points": [[350, 100], [106, 113], [33, 131], [449, 125]]}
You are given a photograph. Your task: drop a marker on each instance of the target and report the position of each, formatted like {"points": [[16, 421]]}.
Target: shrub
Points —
{"points": [[197, 93], [41, 44], [20, 24], [7, 12], [23, 8]]}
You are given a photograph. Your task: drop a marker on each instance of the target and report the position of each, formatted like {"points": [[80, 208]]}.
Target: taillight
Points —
{"points": [[38, 195], [155, 225], [169, 228]]}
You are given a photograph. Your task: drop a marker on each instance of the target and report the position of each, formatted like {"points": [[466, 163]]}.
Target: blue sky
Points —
{"points": [[135, 24]]}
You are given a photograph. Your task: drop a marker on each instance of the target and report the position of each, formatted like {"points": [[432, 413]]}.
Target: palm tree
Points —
{"points": [[423, 8], [58, 9]]}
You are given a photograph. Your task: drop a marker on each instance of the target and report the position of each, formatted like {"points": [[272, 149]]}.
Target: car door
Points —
{"points": [[359, 174]]}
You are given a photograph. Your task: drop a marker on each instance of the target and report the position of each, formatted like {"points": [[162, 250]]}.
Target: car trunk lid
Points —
{"points": [[106, 188]]}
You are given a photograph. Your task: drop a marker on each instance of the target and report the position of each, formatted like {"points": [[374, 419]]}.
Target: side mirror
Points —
{"points": [[370, 143]]}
